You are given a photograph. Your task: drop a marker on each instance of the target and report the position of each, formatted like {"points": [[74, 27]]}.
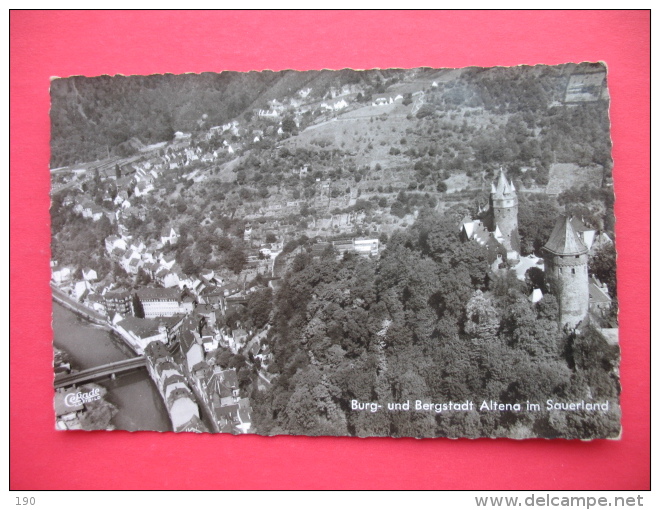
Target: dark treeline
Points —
{"points": [[426, 322]]}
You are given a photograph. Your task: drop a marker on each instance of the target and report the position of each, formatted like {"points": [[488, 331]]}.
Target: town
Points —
{"points": [[182, 247]]}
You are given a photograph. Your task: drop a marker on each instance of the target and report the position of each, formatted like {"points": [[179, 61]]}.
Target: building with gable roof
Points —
{"points": [[158, 302], [141, 332]]}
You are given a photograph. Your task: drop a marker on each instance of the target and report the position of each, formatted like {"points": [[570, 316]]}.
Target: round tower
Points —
{"points": [[504, 208], [566, 272]]}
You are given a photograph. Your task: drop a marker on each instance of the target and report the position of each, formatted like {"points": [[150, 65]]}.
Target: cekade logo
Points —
{"points": [[75, 399]]}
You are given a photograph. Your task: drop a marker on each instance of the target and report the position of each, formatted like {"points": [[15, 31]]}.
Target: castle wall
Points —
{"points": [[568, 279]]}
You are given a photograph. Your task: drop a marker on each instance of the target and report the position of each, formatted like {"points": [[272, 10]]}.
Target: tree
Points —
{"points": [[535, 279], [138, 309], [259, 306], [536, 219], [289, 125], [236, 259], [142, 278], [603, 266], [482, 320]]}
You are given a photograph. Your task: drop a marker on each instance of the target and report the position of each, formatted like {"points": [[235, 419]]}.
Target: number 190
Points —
{"points": [[25, 501]]}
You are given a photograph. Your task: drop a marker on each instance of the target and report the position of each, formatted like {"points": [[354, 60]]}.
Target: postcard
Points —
{"points": [[390, 252]]}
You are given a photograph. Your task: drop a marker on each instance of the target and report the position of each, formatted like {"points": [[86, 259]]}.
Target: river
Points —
{"points": [[134, 394]]}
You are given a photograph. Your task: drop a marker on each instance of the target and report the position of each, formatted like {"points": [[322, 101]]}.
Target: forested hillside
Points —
{"points": [[425, 323], [94, 117]]}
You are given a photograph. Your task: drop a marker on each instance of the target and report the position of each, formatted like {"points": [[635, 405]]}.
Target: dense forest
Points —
{"points": [[426, 322]]}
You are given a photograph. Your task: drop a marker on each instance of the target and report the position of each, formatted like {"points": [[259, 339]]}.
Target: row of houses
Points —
{"points": [[174, 389], [135, 255], [90, 210], [217, 386]]}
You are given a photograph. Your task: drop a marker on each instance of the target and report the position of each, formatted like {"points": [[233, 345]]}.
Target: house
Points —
{"points": [[190, 344], [207, 312], [210, 342], [600, 301], [229, 289], [96, 302], [235, 418], [244, 415], [129, 256], [133, 265], [208, 274], [194, 425], [95, 212], [141, 332], [182, 136], [236, 339], [168, 261], [167, 279], [187, 304], [112, 242], [169, 235], [365, 247], [143, 188], [151, 268], [118, 301], [173, 382], [172, 325], [182, 408], [80, 290], [89, 274], [155, 353], [62, 275], [164, 371], [117, 254]]}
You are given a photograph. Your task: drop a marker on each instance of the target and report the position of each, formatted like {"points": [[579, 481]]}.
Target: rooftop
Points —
{"points": [[504, 187], [156, 350], [142, 328], [563, 239], [153, 293]]}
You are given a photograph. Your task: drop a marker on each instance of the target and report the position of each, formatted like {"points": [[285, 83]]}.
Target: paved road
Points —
{"points": [[78, 307]]}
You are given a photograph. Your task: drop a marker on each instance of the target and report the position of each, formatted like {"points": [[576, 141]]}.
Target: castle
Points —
{"points": [[565, 253]]}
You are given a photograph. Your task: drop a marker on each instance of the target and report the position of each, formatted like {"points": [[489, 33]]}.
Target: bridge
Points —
{"points": [[90, 374]]}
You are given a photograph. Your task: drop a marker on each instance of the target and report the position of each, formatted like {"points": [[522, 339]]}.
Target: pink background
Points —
{"points": [[45, 44]]}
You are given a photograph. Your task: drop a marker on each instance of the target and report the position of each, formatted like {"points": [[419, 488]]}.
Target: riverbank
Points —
{"points": [[92, 316], [134, 394], [67, 302]]}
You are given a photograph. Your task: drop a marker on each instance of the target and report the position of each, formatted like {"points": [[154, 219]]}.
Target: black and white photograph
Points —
{"points": [[389, 252]]}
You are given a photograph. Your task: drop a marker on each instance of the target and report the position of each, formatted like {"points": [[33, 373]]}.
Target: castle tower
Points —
{"points": [[504, 210], [566, 272]]}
